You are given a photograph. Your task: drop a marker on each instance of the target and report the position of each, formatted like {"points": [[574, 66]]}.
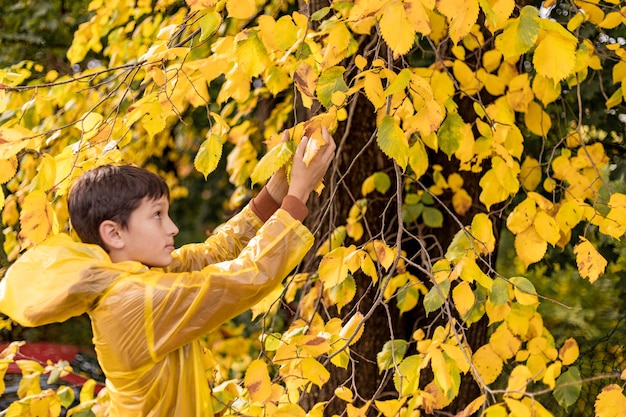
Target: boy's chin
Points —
{"points": [[160, 263]]}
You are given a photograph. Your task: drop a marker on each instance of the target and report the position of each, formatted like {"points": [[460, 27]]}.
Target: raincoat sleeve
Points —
{"points": [[228, 240], [45, 285], [158, 312]]}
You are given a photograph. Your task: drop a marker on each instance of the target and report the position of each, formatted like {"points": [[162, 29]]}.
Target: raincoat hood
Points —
{"points": [[58, 279]]}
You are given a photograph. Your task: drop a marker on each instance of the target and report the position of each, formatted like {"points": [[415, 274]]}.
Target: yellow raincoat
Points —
{"points": [[146, 322]]}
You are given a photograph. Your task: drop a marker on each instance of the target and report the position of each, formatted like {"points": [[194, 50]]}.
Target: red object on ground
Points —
{"points": [[43, 351]]}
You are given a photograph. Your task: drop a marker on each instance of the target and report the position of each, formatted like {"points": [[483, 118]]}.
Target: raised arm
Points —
{"points": [[292, 196]]}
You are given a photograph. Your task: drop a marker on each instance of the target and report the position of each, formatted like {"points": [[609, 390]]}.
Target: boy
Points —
{"points": [[146, 322]]}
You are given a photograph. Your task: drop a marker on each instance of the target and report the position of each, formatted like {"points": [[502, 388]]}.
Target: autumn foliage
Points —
{"points": [[526, 98]]}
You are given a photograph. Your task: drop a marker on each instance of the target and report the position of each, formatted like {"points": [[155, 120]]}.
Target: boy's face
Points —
{"points": [[149, 236]]}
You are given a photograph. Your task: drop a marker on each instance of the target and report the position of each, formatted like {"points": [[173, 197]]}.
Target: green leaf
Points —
{"points": [[392, 141], [410, 212], [520, 34], [568, 387], [381, 182], [271, 341], [450, 134], [399, 83], [432, 217], [406, 379], [459, 246], [499, 292], [320, 14], [208, 155], [433, 300], [66, 396], [330, 81], [392, 354], [209, 23], [272, 161]]}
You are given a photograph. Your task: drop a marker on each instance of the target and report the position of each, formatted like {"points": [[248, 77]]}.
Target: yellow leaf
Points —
{"points": [[472, 407], [418, 159], [545, 89], [569, 352], [418, 12], [552, 373], [338, 42], [333, 267], [89, 122], [491, 190], [335, 240], [529, 246], [272, 161], [518, 381], [537, 120], [547, 227], [499, 182], [381, 253], [612, 20], [344, 393], [257, 381], [374, 89], [36, 218], [396, 28], [314, 371], [288, 410], [353, 328], [269, 301], [441, 369], [461, 14], [555, 56], [390, 408], [530, 173], [208, 155], [463, 297], [8, 168], [524, 290], [504, 343], [241, 9], [614, 224], [487, 363], [589, 261], [518, 408], [285, 33], [13, 140], [251, 54], [482, 231], [354, 411], [497, 13], [461, 202], [611, 402]]}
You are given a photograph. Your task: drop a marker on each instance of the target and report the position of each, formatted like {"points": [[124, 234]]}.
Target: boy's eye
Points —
{"points": [[157, 214]]}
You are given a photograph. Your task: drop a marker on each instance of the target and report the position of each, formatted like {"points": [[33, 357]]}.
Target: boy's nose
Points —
{"points": [[173, 229]]}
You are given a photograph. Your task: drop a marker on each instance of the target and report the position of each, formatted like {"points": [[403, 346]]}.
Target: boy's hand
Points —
{"points": [[304, 178]]}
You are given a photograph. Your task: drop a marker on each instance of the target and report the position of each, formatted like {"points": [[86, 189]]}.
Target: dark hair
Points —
{"points": [[110, 193]]}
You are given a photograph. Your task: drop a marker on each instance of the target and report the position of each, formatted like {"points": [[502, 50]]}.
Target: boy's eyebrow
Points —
{"points": [[159, 203]]}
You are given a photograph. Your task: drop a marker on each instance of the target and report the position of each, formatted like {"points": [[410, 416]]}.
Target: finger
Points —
{"points": [[285, 136], [302, 147]]}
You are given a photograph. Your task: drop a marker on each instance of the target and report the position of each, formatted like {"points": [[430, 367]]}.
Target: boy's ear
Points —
{"points": [[110, 234]]}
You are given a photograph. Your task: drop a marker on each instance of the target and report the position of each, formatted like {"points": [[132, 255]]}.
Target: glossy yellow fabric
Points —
{"points": [[146, 322]]}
